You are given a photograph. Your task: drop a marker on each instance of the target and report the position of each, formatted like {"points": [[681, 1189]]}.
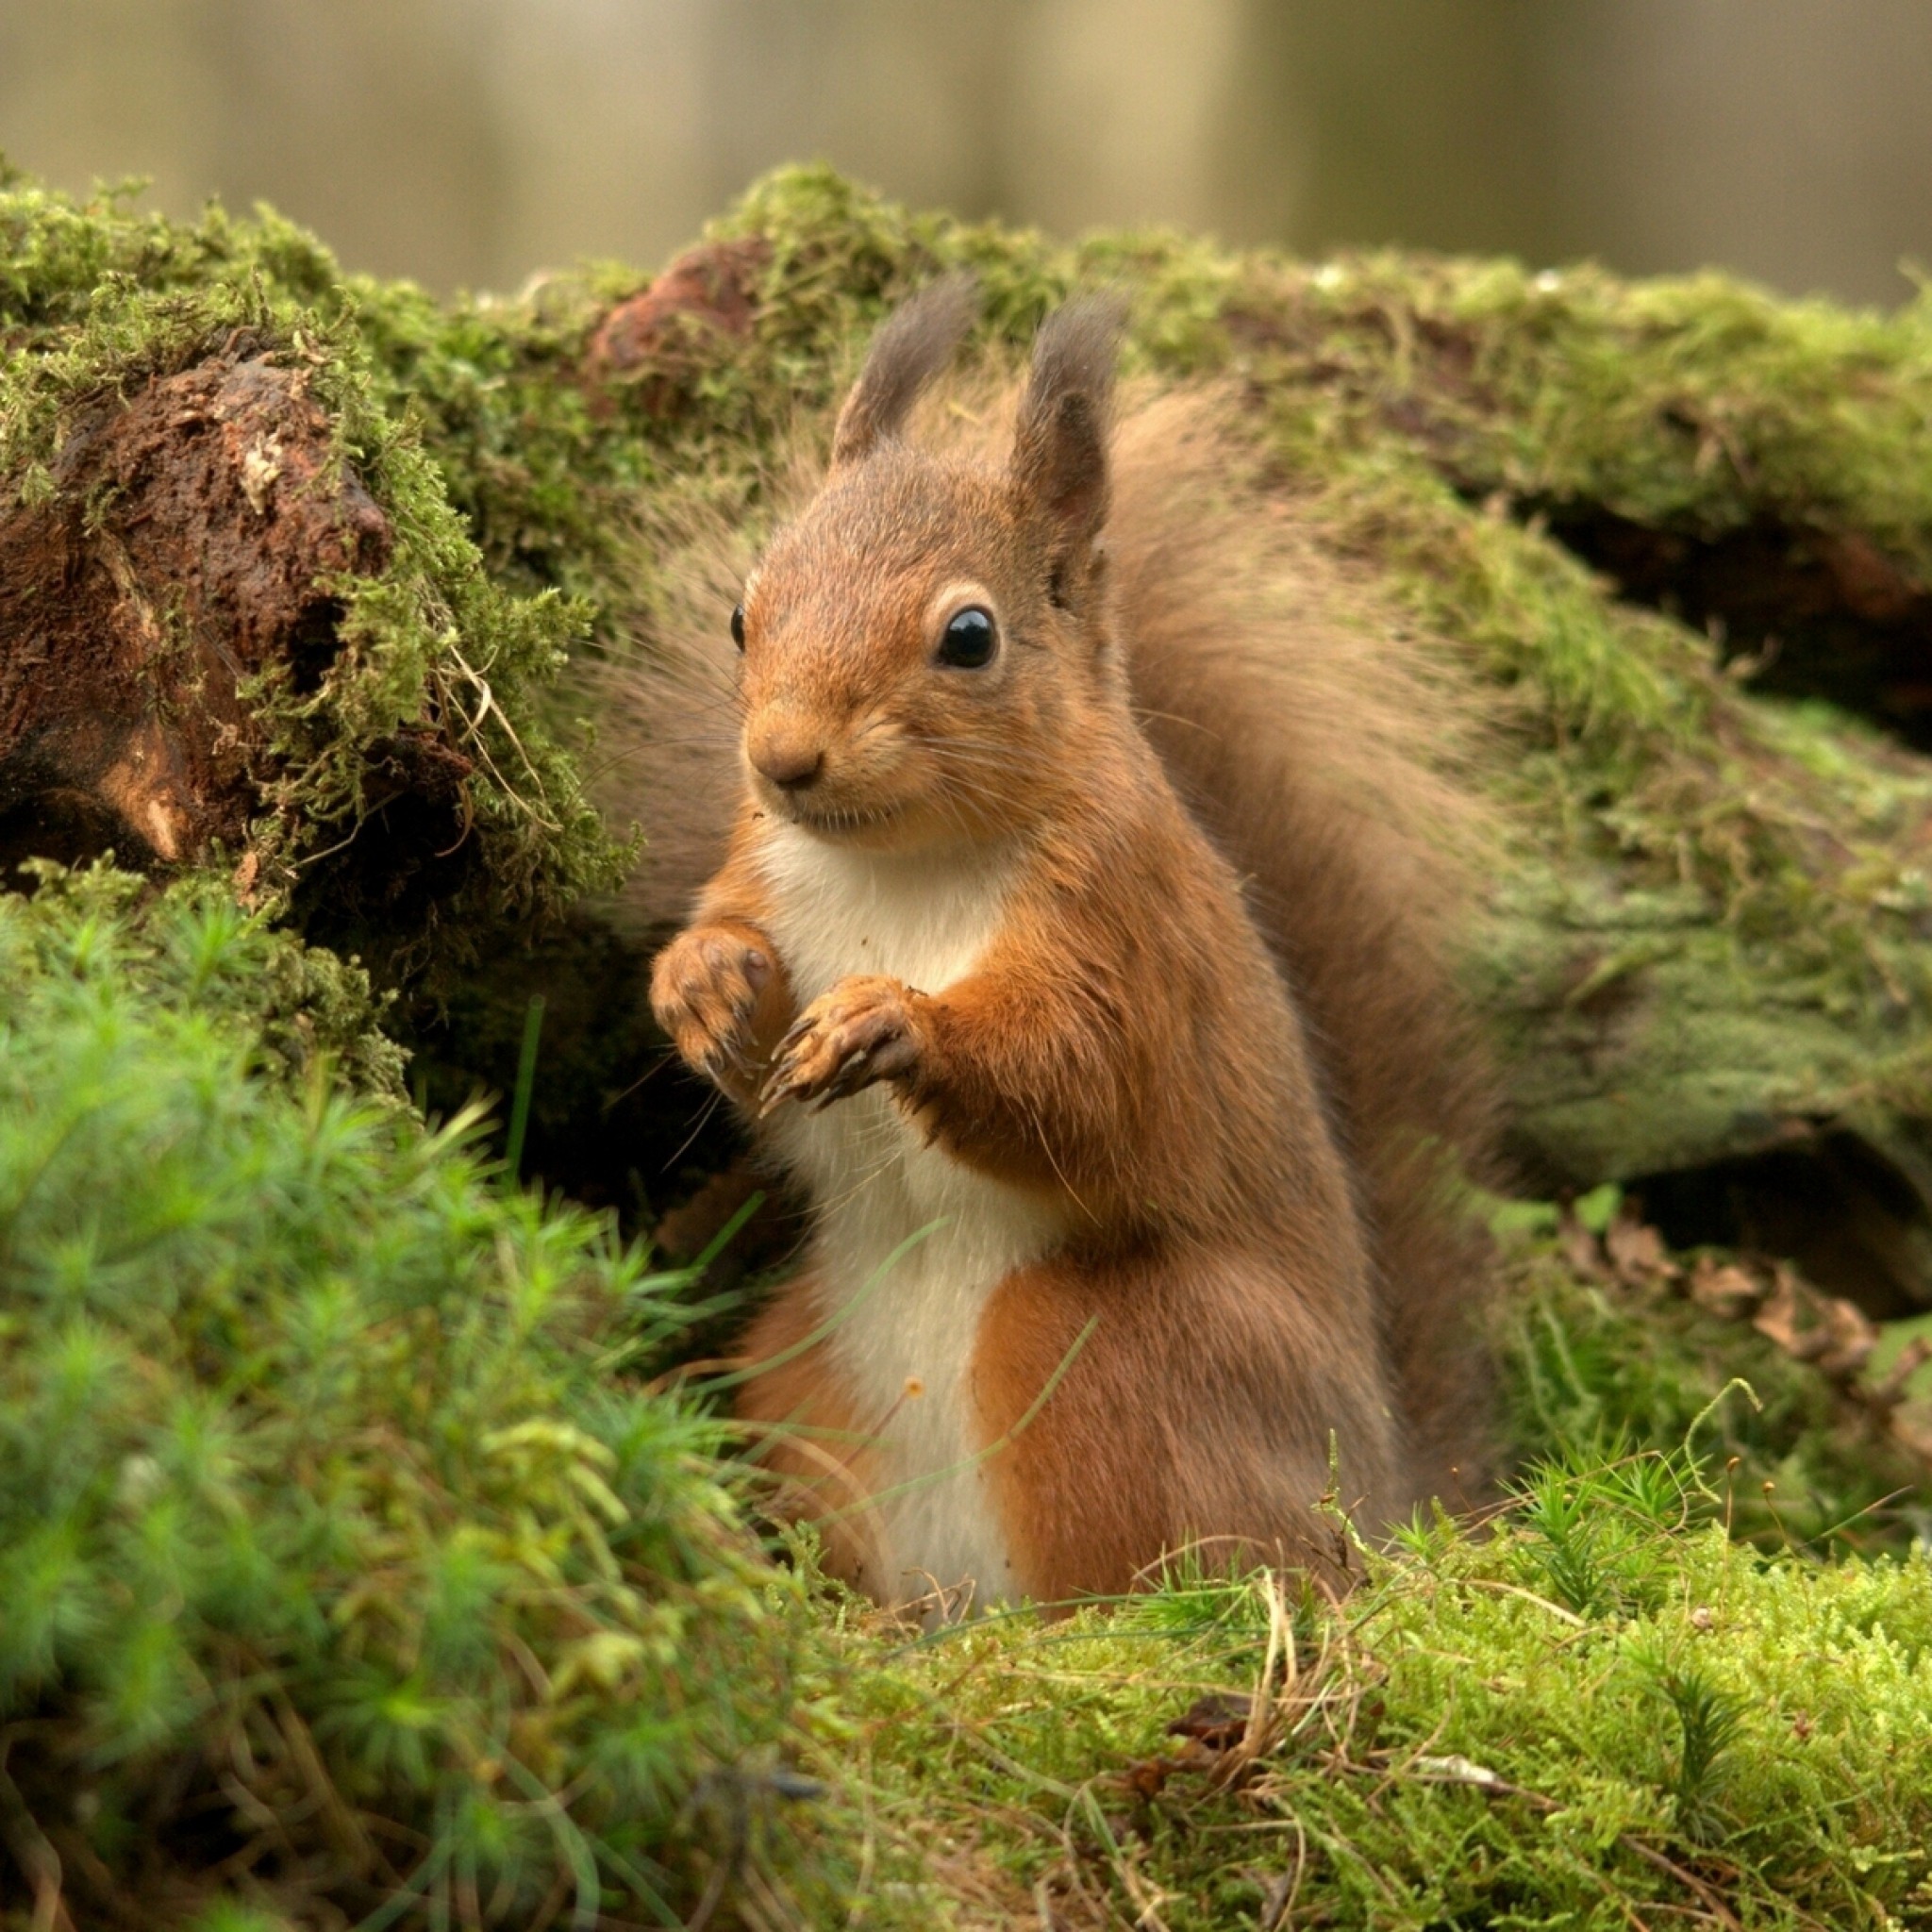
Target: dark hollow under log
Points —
{"points": [[1818, 613]]}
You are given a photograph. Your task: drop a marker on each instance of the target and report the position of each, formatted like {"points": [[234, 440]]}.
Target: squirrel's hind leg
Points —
{"points": [[1146, 1406], [805, 1429]]}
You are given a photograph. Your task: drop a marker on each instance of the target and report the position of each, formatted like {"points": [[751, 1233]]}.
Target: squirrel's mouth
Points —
{"points": [[836, 820]]}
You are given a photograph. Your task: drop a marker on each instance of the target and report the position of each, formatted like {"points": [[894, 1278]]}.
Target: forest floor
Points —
{"points": [[372, 1555]]}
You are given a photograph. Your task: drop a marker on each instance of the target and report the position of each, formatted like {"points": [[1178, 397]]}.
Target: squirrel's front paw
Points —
{"points": [[863, 1031], [706, 990]]}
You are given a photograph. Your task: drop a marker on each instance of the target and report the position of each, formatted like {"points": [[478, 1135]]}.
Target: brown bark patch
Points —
{"points": [[186, 549], [659, 340]]}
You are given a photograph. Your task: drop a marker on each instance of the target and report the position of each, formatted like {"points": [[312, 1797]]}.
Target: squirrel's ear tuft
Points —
{"points": [[1060, 449], [914, 344]]}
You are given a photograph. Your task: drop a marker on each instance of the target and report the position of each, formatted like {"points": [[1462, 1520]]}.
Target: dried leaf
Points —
{"points": [[1219, 1720], [1725, 1288], [1637, 1254], [1580, 1248], [1780, 1317], [1146, 1777], [1850, 1337]]}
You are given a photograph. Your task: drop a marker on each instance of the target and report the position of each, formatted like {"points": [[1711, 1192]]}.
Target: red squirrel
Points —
{"points": [[1064, 959]]}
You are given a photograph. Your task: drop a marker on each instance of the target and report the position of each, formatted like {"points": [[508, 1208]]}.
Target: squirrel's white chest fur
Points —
{"points": [[908, 1243]]}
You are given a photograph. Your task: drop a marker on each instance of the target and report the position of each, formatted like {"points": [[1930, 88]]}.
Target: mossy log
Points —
{"points": [[289, 561], [240, 625]]}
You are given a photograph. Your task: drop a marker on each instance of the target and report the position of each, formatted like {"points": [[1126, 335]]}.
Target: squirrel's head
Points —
{"points": [[921, 645]]}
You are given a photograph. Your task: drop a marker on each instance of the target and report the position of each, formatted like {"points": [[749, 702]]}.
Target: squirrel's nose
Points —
{"points": [[789, 758]]}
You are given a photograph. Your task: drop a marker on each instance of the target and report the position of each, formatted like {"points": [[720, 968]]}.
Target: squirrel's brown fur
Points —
{"points": [[1190, 1077]]}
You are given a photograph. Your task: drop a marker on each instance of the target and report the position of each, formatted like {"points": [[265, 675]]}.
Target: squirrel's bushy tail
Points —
{"points": [[664, 704], [1307, 736], [1311, 738]]}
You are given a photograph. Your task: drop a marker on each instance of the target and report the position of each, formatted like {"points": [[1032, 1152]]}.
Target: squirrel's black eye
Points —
{"points": [[969, 640], [738, 626]]}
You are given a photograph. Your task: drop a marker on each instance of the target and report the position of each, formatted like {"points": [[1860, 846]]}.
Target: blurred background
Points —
{"points": [[469, 142]]}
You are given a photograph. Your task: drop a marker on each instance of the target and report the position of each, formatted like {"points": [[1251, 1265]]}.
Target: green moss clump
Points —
{"points": [[1696, 404], [1593, 1715], [348, 1568], [1712, 927], [298, 1014]]}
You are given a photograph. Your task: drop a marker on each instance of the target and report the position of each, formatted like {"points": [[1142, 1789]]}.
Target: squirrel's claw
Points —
{"points": [[849, 1078], [706, 986], [859, 1033]]}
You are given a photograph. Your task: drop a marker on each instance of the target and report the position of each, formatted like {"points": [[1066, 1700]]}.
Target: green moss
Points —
{"points": [[1713, 914], [1593, 1715], [344, 1549], [297, 1014], [1593, 1369], [1698, 403]]}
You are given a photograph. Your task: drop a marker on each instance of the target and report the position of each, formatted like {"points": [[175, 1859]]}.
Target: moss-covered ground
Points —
{"points": [[363, 1564], [1605, 1712], [358, 1566]]}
